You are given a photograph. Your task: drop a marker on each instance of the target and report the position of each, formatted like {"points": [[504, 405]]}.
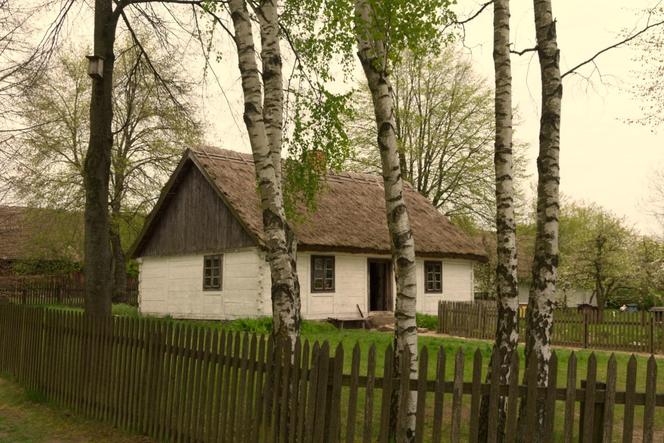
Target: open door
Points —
{"points": [[380, 285]]}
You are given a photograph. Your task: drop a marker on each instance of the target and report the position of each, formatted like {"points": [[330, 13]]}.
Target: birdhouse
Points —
{"points": [[95, 66]]}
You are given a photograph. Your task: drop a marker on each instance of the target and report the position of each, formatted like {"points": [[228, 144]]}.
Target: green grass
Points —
{"points": [[25, 417]]}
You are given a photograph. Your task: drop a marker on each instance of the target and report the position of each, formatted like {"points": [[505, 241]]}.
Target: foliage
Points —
{"points": [[150, 132], [427, 321], [445, 129]]}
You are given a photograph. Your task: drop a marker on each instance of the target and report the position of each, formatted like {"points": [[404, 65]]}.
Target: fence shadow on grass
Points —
{"points": [[174, 381]]}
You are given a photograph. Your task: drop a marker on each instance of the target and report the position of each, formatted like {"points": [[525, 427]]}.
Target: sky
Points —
{"points": [[603, 158]]}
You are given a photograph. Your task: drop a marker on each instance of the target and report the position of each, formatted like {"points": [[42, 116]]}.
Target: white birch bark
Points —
{"points": [[373, 56], [507, 295], [264, 129], [545, 264]]}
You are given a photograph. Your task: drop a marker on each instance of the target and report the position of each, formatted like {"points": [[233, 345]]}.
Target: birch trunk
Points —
{"points": [[507, 295], [96, 169], [264, 128], [545, 264], [373, 56]]}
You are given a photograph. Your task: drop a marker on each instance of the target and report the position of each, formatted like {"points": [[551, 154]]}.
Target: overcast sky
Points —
{"points": [[603, 159]]}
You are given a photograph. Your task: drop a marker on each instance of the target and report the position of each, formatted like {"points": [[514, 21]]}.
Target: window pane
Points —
{"points": [[318, 283]]}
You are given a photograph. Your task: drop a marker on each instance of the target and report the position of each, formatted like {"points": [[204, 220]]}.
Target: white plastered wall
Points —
{"points": [[174, 286]]}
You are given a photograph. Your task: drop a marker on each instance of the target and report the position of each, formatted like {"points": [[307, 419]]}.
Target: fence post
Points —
{"points": [[585, 329], [651, 330], [598, 414]]}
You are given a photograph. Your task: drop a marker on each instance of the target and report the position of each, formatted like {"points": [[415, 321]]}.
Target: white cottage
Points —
{"points": [[201, 252]]}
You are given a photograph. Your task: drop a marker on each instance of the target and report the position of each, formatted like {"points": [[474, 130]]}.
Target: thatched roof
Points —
{"points": [[350, 211], [40, 233]]}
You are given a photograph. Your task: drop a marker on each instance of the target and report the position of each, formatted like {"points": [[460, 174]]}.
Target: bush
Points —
{"points": [[427, 321]]}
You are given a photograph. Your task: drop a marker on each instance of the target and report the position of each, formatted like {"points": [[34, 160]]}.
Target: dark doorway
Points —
{"points": [[380, 285]]}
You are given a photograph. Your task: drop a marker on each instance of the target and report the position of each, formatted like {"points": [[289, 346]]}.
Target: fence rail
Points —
{"points": [[176, 381], [609, 330], [68, 290]]}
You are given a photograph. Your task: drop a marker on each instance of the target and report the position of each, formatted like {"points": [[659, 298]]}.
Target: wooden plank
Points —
{"points": [[550, 399], [494, 397], [258, 406], [334, 429], [457, 397], [311, 394], [404, 394], [212, 387], [386, 401], [215, 422], [243, 394], [295, 391], [531, 395], [476, 396], [512, 400], [421, 394], [649, 407], [438, 398], [352, 393], [282, 394], [304, 383], [250, 378], [367, 429], [233, 406], [321, 393], [589, 399], [628, 414], [570, 400], [610, 398]]}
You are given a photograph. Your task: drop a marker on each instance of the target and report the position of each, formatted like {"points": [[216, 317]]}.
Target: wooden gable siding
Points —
{"points": [[193, 219]]}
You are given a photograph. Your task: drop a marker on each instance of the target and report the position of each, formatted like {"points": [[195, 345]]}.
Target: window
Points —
{"points": [[322, 273], [212, 272], [433, 276]]}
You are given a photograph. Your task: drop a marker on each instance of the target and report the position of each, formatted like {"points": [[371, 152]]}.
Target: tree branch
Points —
{"points": [[615, 45], [479, 11], [512, 51]]}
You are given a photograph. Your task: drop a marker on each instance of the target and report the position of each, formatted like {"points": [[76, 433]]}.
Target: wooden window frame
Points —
{"points": [[326, 258], [210, 286], [428, 263]]}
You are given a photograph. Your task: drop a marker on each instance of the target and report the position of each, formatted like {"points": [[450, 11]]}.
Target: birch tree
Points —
{"points": [[263, 116], [383, 30], [539, 317], [507, 294]]}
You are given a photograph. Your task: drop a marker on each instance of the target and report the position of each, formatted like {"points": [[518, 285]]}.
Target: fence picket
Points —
{"points": [[176, 382]]}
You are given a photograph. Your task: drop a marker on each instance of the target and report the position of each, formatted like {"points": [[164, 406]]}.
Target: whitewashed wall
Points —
{"points": [[458, 284], [174, 286], [574, 296]]}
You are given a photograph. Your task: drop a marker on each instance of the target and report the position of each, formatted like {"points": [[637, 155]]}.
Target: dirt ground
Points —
{"points": [[26, 419]]}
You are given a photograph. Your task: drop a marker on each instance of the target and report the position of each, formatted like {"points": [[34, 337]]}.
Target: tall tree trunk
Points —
{"points": [[96, 169], [119, 260], [545, 265], [264, 129], [372, 55], [507, 294]]}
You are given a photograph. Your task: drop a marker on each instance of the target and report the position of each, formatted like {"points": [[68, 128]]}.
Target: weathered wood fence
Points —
{"points": [[175, 381], [610, 330], [67, 290]]}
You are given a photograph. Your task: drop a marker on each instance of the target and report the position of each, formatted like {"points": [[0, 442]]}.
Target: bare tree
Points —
{"points": [[444, 127]]}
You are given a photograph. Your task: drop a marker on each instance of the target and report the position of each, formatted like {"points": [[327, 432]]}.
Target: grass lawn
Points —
{"points": [[25, 417]]}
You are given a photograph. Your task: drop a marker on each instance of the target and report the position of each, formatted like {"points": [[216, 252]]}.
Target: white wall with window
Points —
{"points": [[236, 284]]}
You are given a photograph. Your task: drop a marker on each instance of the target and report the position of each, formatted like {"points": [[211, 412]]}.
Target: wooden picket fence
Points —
{"points": [[66, 290], [620, 331], [178, 381]]}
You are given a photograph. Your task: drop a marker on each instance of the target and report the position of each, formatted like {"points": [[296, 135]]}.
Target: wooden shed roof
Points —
{"points": [[349, 216]]}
